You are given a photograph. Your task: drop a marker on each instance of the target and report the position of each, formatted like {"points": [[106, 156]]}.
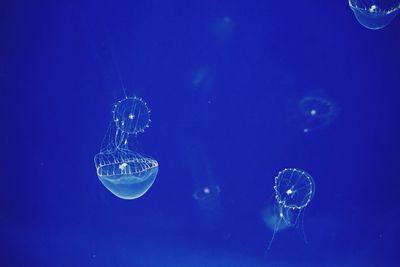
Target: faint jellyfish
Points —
{"points": [[208, 200], [270, 217], [223, 27], [207, 193], [124, 172], [314, 112], [127, 174], [202, 80], [294, 189], [375, 14]]}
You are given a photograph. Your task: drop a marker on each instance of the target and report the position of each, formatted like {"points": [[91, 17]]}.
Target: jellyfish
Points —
{"points": [[207, 196], [294, 189], [131, 115], [374, 14], [206, 191], [202, 80], [314, 112], [223, 27], [270, 217], [126, 173]]}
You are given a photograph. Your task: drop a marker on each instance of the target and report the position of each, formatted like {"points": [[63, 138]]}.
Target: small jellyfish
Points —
{"points": [[314, 112], [294, 189], [127, 174], [208, 192], [375, 14], [209, 203], [131, 115], [202, 80], [223, 28]]}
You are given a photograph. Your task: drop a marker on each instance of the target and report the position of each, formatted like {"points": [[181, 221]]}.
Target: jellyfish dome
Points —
{"points": [[375, 14], [294, 189], [127, 174], [131, 115]]}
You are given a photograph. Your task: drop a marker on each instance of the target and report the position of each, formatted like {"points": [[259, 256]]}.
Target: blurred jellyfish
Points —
{"points": [[313, 112], [207, 192], [207, 196], [270, 217], [294, 189], [203, 80], [124, 172], [375, 14], [223, 27], [127, 174], [208, 200]]}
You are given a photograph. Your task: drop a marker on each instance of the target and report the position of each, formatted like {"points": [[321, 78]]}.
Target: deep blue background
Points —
{"points": [[59, 79]]}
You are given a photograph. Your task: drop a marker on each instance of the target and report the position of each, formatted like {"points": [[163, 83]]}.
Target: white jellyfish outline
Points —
{"points": [[285, 190], [373, 14], [138, 113]]}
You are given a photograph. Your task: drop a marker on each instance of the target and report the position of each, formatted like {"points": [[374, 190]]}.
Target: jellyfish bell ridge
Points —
{"points": [[125, 173]]}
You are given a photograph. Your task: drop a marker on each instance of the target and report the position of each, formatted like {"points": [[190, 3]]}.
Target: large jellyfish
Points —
{"points": [[124, 172], [375, 14], [294, 189]]}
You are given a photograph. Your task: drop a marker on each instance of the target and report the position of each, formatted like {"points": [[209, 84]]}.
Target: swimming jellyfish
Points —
{"points": [[294, 189], [314, 112], [124, 172], [375, 14]]}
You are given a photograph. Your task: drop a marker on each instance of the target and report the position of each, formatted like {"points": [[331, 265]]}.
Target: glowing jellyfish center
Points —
{"points": [[315, 112], [374, 14]]}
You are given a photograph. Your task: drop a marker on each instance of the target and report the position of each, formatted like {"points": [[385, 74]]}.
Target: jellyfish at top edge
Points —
{"points": [[374, 14], [294, 189], [131, 115], [124, 172]]}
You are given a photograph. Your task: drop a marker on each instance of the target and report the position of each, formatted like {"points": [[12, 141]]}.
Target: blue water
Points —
{"points": [[223, 80]]}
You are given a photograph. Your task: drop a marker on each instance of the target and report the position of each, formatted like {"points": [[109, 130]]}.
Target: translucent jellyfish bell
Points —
{"points": [[294, 189], [375, 14], [127, 174], [131, 115]]}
